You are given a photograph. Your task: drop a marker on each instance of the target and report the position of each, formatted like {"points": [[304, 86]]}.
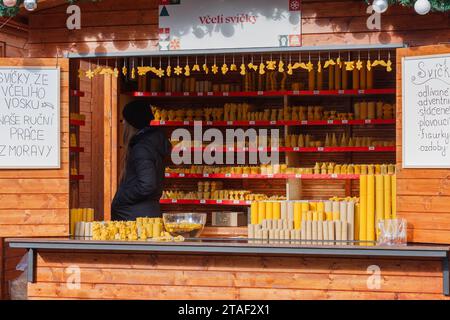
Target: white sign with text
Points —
{"points": [[218, 24], [426, 111], [29, 118]]}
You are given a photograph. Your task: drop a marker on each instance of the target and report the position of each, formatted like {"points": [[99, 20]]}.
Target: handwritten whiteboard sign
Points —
{"points": [[29, 118], [426, 111]]}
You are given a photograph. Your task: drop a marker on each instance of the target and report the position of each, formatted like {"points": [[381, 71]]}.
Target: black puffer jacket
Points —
{"points": [[141, 188]]}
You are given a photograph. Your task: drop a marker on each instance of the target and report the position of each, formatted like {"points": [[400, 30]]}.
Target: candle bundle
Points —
{"points": [[80, 215], [373, 110], [377, 202], [303, 220]]}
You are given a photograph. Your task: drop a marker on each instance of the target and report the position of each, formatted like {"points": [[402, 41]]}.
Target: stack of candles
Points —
{"points": [[309, 221], [78, 215], [378, 194]]}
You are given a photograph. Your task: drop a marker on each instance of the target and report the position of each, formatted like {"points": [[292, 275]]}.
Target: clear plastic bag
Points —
{"points": [[392, 232], [18, 287]]}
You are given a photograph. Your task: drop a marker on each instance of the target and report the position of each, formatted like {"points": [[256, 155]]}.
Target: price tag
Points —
{"points": [[304, 122], [330, 121], [200, 94], [273, 123], [341, 92], [298, 176], [209, 123], [186, 94], [260, 148], [186, 123], [252, 123], [368, 121], [296, 149], [139, 94], [371, 148], [260, 93], [167, 175], [230, 123], [227, 175], [334, 176], [225, 94], [168, 94], [316, 92], [206, 175], [210, 93], [231, 149], [270, 175], [320, 149], [202, 201], [154, 94], [361, 91], [244, 175], [219, 201], [296, 92], [273, 149], [344, 121], [162, 122], [236, 201], [181, 175], [174, 200]]}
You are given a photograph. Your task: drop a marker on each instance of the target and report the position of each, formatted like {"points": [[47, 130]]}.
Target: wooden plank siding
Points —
{"points": [[423, 195], [142, 276]]}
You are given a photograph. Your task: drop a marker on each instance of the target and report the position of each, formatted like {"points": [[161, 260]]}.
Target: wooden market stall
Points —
{"points": [[117, 34]]}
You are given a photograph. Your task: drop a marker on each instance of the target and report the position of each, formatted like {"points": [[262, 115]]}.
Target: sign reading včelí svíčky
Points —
{"points": [[426, 111], [219, 24], [29, 118]]}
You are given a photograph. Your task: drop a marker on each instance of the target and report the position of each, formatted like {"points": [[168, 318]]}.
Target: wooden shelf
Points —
{"points": [[263, 93], [291, 149], [206, 202], [76, 149], [262, 176], [273, 123], [79, 123]]}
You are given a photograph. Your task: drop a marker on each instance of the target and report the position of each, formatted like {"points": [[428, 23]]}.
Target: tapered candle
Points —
{"points": [[328, 210], [337, 77], [261, 211], [351, 220], [315, 236], [254, 213], [297, 215], [355, 79], [311, 80], [303, 230], [319, 230], [276, 210], [284, 209], [336, 208], [369, 79], [290, 210], [330, 77], [325, 230], [320, 210], [344, 79], [343, 211], [320, 80], [387, 197], [379, 200], [371, 207], [362, 77], [363, 208], [269, 210], [331, 231], [338, 232], [394, 196], [344, 231], [356, 226], [315, 216], [309, 231], [305, 206]]}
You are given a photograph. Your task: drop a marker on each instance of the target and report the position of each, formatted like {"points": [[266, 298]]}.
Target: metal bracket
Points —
{"points": [[31, 265], [446, 276]]}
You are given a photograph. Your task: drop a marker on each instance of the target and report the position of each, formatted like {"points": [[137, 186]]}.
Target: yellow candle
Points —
{"points": [[315, 216], [387, 197], [394, 196], [254, 213], [269, 210], [309, 216], [329, 216], [357, 217], [320, 210], [311, 80], [157, 228], [297, 216], [363, 208], [276, 210], [261, 212], [379, 199], [370, 207], [305, 206]]}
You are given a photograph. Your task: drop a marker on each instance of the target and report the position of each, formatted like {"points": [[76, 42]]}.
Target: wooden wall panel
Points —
{"points": [[423, 194], [13, 38], [35, 202], [139, 276], [115, 25]]}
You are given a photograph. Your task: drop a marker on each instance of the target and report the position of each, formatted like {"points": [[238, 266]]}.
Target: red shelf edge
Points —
{"points": [[296, 149], [262, 176], [74, 122], [205, 202]]}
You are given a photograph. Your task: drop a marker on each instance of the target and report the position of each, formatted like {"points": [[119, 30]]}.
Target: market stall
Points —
{"points": [[315, 223]]}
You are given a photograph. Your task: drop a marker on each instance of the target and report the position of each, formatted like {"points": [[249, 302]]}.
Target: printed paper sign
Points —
{"points": [[219, 24], [29, 118], [426, 112]]}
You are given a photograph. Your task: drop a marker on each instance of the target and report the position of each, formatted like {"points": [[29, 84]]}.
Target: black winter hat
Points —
{"points": [[138, 113]]}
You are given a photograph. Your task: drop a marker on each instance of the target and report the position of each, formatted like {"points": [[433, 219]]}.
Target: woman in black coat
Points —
{"points": [[143, 168]]}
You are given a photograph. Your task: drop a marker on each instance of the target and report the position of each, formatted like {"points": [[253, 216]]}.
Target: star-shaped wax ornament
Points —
{"points": [[271, 65], [205, 68], [290, 69], [133, 73], [178, 70], [281, 66], [233, 67], [169, 71], [319, 66], [142, 71], [252, 66], [349, 65], [389, 65], [224, 69], [159, 72], [124, 70], [310, 66], [116, 72], [262, 68], [90, 74], [369, 65], [329, 62], [196, 67], [359, 64], [214, 68]]}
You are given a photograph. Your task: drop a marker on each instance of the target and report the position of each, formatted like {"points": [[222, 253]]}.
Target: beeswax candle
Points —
{"points": [[344, 85], [315, 236], [371, 207], [351, 220], [343, 211], [311, 80], [355, 78], [394, 196], [379, 199], [331, 231], [320, 80], [369, 79], [254, 213], [284, 210], [319, 230], [305, 206], [261, 211], [290, 210], [363, 207], [387, 197], [362, 77], [337, 77], [338, 232], [276, 210], [356, 226], [309, 231], [331, 77], [344, 231], [269, 210], [297, 215]]}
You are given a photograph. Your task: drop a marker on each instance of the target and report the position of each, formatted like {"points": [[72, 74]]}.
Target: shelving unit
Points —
{"points": [[262, 176]]}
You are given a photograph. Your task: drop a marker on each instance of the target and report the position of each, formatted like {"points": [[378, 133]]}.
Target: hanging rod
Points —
{"points": [[237, 51]]}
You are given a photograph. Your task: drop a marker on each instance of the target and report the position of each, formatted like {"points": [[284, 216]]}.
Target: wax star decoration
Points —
{"points": [[142, 71], [178, 70], [233, 67], [205, 68], [369, 65], [359, 64], [252, 66], [329, 62], [124, 71], [300, 65], [90, 74], [389, 66], [224, 69], [310, 66], [339, 62], [196, 67], [271, 65], [243, 70], [169, 71], [187, 71], [214, 68], [319, 66], [106, 71], [159, 72], [116, 72], [133, 73], [290, 70]]}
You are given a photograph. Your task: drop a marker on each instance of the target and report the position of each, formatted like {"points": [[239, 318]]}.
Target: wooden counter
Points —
{"points": [[220, 269]]}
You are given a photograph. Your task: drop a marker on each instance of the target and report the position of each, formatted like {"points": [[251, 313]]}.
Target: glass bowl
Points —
{"points": [[188, 225]]}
